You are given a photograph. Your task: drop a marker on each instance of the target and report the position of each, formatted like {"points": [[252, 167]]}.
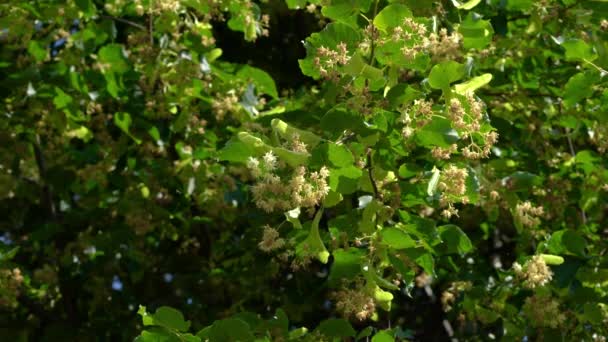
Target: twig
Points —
{"points": [[373, 33], [124, 21], [47, 193], [573, 152], [347, 136], [370, 172], [601, 70], [151, 27]]}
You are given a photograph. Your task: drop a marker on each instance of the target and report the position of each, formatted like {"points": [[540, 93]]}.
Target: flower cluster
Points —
{"points": [[355, 303], [452, 185], [167, 6], [448, 297], [444, 153], [326, 60], [297, 145], [418, 115], [598, 135], [308, 190], [543, 311], [273, 192], [222, 105], [528, 215], [271, 240], [467, 118], [442, 45], [534, 273], [10, 285], [140, 221]]}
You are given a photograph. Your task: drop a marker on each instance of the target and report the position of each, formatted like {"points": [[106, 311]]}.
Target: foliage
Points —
{"points": [[423, 170]]}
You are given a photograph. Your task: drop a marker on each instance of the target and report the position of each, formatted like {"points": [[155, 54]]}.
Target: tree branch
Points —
{"points": [[47, 194], [370, 172], [124, 21]]}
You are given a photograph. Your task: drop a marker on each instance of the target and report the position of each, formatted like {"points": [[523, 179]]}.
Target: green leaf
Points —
{"points": [[287, 132], [81, 133], [123, 121], [112, 58], [409, 170], [390, 54], [383, 336], [37, 50], [473, 84], [279, 321], [236, 151], [292, 158], [467, 5], [422, 228], [522, 180], [61, 100], [157, 334], [170, 318], [455, 240], [262, 80], [339, 119], [358, 68], [332, 199], [87, 7], [476, 33], [345, 180], [336, 328], [438, 132], [593, 313], [397, 238], [391, 16], [579, 87], [332, 35], [364, 333], [402, 94], [296, 4], [423, 258], [340, 156], [231, 329], [313, 245], [519, 5], [346, 265], [345, 9], [445, 73], [586, 161], [255, 143], [297, 334], [367, 224], [578, 50], [567, 240], [6, 256]]}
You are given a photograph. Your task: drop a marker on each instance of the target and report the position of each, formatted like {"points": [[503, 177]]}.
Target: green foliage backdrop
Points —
{"points": [[238, 170]]}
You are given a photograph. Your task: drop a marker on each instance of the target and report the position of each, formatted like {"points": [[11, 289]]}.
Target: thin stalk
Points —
{"points": [[573, 152], [124, 21]]}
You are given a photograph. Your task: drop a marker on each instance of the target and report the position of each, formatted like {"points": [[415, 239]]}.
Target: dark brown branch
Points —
{"points": [[47, 194], [370, 172]]}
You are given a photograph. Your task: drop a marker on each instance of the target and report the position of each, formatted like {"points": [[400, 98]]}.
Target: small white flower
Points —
{"points": [[253, 163], [270, 161]]}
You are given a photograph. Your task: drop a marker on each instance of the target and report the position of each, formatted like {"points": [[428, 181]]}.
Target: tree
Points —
{"points": [[416, 170]]}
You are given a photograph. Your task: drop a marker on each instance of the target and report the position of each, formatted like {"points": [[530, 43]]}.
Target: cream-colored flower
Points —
{"points": [[534, 273]]}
